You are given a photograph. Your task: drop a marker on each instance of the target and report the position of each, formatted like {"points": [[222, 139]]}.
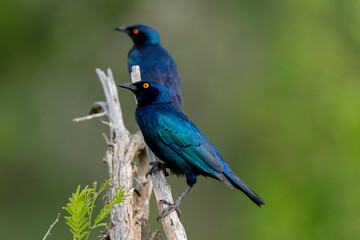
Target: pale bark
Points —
{"points": [[51, 226]]}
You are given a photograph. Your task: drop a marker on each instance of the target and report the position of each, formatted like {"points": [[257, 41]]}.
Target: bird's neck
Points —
{"points": [[144, 45], [154, 97], [154, 103], [150, 112]]}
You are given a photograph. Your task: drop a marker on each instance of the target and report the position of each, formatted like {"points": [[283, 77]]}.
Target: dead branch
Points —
{"points": [[51, 226], [128, 220]]}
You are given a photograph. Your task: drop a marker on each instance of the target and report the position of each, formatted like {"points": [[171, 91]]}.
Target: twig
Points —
{"points": [[89, 117], [51, 226], [107, 140]]}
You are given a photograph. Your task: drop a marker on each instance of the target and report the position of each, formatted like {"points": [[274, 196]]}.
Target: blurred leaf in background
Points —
{"points": [[273, 84]]}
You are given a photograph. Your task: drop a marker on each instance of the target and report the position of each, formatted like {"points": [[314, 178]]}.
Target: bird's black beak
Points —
{"points": [[128, 86], [122, 29]]}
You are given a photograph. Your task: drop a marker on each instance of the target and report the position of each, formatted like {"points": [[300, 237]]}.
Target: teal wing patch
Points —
{"points": [[191, 144]]}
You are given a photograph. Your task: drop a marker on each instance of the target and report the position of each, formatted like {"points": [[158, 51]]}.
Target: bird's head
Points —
{"points": [[148, 92], [141, 34]]}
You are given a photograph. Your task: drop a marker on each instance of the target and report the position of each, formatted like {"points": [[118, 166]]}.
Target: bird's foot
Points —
{"points": [[168, 210], [157, 166]]}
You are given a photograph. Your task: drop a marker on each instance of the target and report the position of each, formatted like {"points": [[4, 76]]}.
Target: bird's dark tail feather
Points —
{"points": [[239, 184]]}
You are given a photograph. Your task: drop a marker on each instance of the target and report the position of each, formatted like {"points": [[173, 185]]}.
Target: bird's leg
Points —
{"points": [[173, 206], [157, 166]]}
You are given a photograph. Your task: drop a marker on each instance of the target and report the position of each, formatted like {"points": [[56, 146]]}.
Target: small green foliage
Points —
{"points": [[81, 205]]}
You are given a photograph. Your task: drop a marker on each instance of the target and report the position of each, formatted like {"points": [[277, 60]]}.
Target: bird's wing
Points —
{"points": [[168, 75], [187, 140], [176, 82]]}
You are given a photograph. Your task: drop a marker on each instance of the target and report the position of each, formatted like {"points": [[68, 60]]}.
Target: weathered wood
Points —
{"points": [[51, 226], [171, 223], [122, 148], [146, 233], [142, 194]]}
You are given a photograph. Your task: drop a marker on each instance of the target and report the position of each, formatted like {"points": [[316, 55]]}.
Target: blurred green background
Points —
{"points": [[275, 85]]}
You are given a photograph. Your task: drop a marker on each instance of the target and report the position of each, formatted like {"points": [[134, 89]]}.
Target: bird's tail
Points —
{"points": [[239, 184]]}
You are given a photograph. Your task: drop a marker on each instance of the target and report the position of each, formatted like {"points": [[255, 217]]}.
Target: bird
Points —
{"points": [[175, 139], [156, 64]]}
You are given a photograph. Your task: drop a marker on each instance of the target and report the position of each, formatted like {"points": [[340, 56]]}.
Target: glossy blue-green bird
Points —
{"points": [[174, 139], [156, 64]]}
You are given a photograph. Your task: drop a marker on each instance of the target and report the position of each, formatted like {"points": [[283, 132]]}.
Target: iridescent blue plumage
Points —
{"points": [[178, 142], [156, 64]]}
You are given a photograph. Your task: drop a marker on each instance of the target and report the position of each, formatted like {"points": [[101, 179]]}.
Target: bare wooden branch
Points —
{"points": [[171, 223], [93, 116], [146, 233], [143, 194], [51, 226], [129, 219], [119, 159]]}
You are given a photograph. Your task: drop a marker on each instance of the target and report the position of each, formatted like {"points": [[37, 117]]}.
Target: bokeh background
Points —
{"points": [[275, 85]]}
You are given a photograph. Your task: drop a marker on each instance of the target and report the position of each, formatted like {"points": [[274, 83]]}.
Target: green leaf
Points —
{"points": [[81, 205], [77, 208], [100, 225], [74, 233], [83, 235], [104, 212], [84, 226]]}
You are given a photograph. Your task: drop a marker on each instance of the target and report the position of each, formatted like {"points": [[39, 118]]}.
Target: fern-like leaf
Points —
{"points": [[81, 205], [105, 211], [77, 208]]}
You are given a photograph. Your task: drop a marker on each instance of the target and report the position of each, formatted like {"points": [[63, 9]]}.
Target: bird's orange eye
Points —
{"points": [[145, 85], [135, 31]]}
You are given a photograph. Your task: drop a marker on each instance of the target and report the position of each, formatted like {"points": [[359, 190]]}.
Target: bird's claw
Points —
{"points": [[157, 166], [168, 210]]}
